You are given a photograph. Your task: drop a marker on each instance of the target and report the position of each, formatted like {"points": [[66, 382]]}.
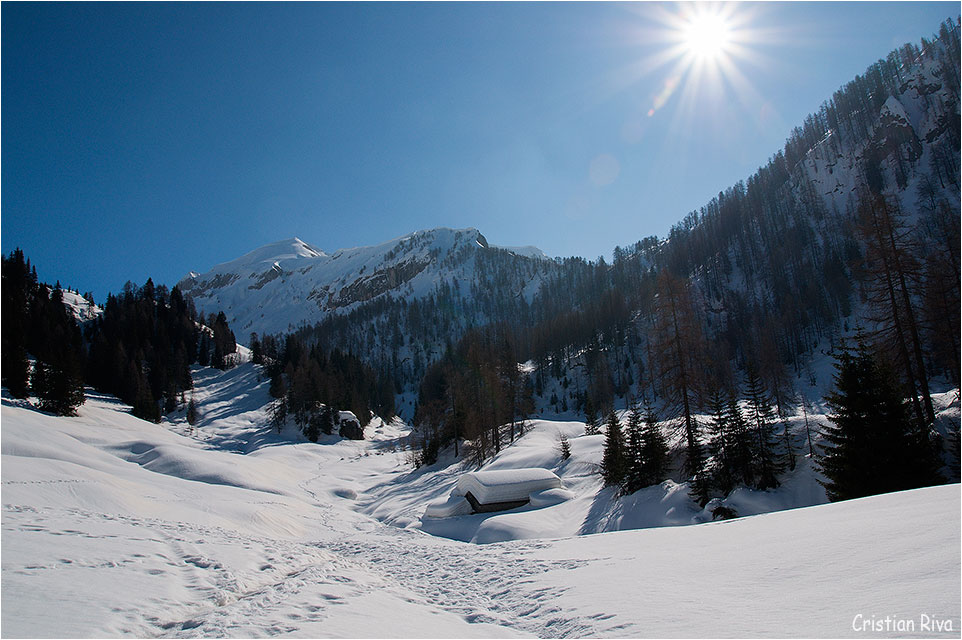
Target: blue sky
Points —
{"points": [[149, 139]]}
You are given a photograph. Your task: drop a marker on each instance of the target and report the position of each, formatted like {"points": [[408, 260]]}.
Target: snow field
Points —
{"points": [[114, 526], [130, 529]]}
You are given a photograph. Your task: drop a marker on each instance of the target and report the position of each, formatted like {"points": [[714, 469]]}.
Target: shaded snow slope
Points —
{"points": [[115, 526]]}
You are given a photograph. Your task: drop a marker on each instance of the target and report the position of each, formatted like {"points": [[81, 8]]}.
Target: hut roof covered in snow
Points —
{"points": [[505, 485]]}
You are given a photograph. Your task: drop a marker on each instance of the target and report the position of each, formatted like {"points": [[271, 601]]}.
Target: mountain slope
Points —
{"points": [[284, 285]]}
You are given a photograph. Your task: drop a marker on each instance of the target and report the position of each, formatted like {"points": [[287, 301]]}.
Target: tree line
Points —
{"points": [[476, 393], [310, 384], [139, 348]]}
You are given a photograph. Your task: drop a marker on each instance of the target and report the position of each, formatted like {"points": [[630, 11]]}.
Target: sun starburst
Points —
{"points": [[704, 48]]}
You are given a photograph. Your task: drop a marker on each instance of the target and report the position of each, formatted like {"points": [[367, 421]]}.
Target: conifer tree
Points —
{"points": [[700, 483], [278, 413], [192, 412], [591, 420], [636, 472], [761, 416], [278, 388], [144, 404], [203, 349], [874, 445], [892, 268], [790, 456], [564, 447], [16, 370], [257, 353], [59, 388], [17, 290], [680, 346], [39, 379], [654, 449], [723, 472], [613, 462], [740, 445]]}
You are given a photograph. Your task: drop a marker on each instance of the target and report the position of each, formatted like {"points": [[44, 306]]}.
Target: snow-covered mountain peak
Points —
{"points": [[283, 250], [285, 284]]}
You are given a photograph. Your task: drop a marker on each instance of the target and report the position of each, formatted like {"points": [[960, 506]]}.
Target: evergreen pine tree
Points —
{"points": [[278, 413], [203, 349], [224, 343], [740, 450], [591, 420], [790, 456], [278, 388], [564, 447], [761, 416], [636, 471], [613, 463], [874, 445], [723, 473], [58, 388], [192, 416], [696, 468], [257, 352], [16, 292], [16, 370], [39, 379], [654, 449], [144, 404], [700, 483]]}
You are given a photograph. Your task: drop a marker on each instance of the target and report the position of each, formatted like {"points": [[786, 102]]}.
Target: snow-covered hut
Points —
{"points": [[504, 489], [486, 491]]}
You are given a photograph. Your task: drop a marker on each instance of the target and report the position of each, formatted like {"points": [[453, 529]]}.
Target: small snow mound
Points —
{"points": [[448, 507], [550, 497]]}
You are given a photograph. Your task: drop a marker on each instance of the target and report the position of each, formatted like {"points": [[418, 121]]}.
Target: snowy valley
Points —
{"points": [[793, 344], [230, 529]]}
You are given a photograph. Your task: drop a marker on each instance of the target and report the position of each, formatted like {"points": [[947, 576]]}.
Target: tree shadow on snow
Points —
{"points": [[600, 513]]}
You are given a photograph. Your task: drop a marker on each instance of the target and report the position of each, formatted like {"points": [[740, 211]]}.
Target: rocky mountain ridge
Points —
{"points": [[287, 284]]}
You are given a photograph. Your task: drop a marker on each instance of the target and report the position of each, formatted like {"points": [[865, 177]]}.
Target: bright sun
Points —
{"points": [[707, 35], [702, 46]]}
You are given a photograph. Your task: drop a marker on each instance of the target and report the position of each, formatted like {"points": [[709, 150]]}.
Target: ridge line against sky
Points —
{"points": [[153, 139]]}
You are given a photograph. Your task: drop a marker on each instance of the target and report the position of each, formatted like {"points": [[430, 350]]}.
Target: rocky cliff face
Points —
{"points": [[906, 141]]}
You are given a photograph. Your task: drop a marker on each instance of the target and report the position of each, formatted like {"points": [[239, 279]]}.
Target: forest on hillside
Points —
{"points": [[140, 347], [762, 273], [743, 289]]}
